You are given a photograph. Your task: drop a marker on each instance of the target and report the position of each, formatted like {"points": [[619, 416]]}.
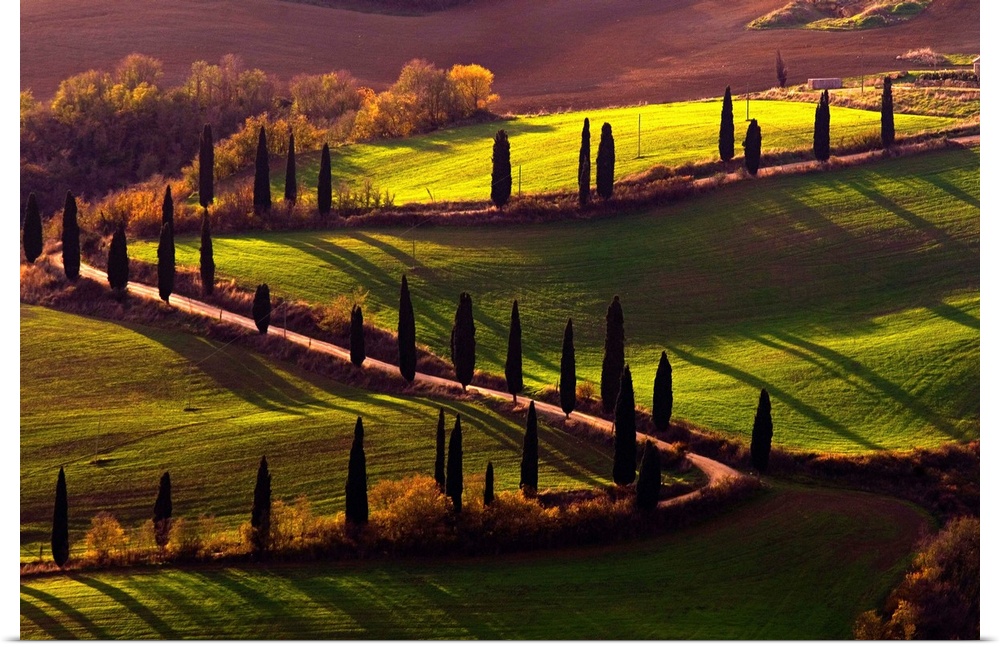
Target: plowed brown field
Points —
{"points": [[547, 54]]}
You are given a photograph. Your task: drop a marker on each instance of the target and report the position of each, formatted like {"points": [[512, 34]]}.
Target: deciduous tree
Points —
{"points": [[70, 239], [206, 168], [260, 513], [751, 147], [727, 130], [357, 336], [567, 372], [262, 308], [406, 334], [647, 487], [606, 163], [32, 229], [614, 355], [118, 261], [888, 121], [623, 471], [163, 510], [583, 167], [262, 176], [291, 189], [324, 186], [463, 341], [763, 431], [663, 394], [500, 179], [165, 261], [512, 367], [529, 453], [357, 479], [453, 487], [60, 523], [821, 128], [206, 256]]}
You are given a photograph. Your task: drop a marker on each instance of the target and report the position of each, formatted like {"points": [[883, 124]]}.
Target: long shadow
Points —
{"points": [[45, 622], [406, 260], [777, 393], [888, 388], [144, 613], [63, 607], [264, 603], [957, 315], [951, 189]]}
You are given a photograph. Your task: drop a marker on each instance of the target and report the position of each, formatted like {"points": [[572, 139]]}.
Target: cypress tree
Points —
{"points": [[165, 261], [501, 179], [821, 128], [163, 510], [606, 163], [463, 341], [647, 487], [206, 168], [614, 355], [60, 523], [583, 169], [357, 336], [623, 472], [439, 475], [453, 487], [763, 431], [291, 190], [357, 479], [751, 147], [118, 261], [781, 70], [260, 514], [406, 334], [663, 394], [32, 229], [567, 372], [262, 308], [512, 367], [206, 256], [262, 176], [324, 186], [529, 452], [70, 239], [727, 130], [888, 123], [167, 209], [488, 488]]}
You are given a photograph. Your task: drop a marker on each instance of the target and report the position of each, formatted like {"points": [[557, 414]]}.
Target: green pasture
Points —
{"points": [[454, 164], [793, 564], [851, 295], [117, 404]]}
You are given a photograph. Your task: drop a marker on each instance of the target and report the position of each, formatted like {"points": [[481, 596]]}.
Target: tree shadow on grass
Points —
{"points": [[777, 394], [153, 621], [956, 315], [63, 607], [45, 622]]}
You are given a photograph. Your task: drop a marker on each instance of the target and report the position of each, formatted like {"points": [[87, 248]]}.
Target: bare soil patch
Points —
{"points": [[546, 54]]}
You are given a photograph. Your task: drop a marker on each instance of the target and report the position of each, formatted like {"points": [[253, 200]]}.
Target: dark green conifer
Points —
{"points": [[781, 70], [291, 189], [262, 308], [70, 239], [206, 256], [763, 431], [663, 394], [751, 148], [357, 479], [206, 168], [821, 128], [406, 334], [32, 229], [488, 488], [118, 270], [357, 336], [262, 176], [567, 372], [529, 453], [439, 474], [260, 514], [165, 261], [60, 523], [512, 367], [167, 208], [606, 163], [888, 121], [324, 186], [463, 341], [501, 180], [614, 355], [647, 487], [623, 472], [163, 510], [453, 487], [583, 168], [727, 130]]}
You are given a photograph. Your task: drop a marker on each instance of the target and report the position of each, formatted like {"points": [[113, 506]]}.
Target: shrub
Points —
{"points": [[410, 514], [106, 539]]}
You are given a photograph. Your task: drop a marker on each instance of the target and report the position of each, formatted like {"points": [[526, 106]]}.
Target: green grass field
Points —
{"points": [[454, 164], [852, 295], [110, 403], [793, 564]]}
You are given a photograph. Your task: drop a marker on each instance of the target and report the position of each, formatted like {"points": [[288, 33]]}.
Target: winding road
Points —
{"points": [[714, 470]]}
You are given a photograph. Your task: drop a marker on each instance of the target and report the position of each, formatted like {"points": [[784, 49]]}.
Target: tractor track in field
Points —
{"points": [[716, 472]]}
